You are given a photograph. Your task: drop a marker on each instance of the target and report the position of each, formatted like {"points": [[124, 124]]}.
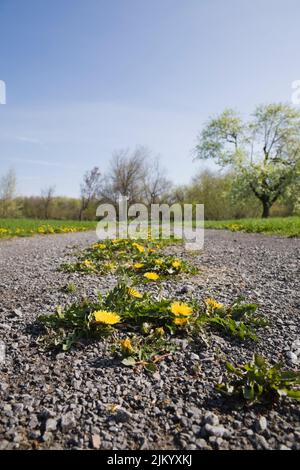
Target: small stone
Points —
{"points": [[211, 418], [96, 442], [194, 357], [292, 357], [261, 424], [67, 422], [122, 416], [202, 444], [217, 431], [51, 424], [262, 441], [283, 447], [17, 312]]}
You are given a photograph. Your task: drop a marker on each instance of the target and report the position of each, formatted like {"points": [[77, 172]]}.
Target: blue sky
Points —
{"points": [[86, 77]]}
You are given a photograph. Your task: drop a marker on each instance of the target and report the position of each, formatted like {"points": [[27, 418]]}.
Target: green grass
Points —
{"points": [[285, 226], [28, 227]]}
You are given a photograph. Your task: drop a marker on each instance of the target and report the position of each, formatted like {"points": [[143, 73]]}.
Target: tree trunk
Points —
{"points": [[266, 209]]}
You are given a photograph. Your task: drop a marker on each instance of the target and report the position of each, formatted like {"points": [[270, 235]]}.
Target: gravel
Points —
{"points": [[86, 399]]}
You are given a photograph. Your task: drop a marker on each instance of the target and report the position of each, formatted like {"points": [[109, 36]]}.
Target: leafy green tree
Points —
{"points": [[264, 152]]}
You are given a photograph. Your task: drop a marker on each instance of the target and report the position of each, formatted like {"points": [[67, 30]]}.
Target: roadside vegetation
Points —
{"points": [[141, 325], [11, 227], [283, 226]]}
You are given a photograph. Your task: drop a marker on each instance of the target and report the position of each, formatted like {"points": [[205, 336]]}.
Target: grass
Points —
{"points": [[285, 226], [28, 227]]}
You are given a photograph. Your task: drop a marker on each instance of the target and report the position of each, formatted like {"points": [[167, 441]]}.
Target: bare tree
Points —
{"points": [[127, 175], [157, 186], [47, 199], [89, 189], [8, 184]]}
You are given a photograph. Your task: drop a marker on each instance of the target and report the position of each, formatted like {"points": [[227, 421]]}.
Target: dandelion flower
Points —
{"points": [[151, 276], [181, 309], [126, 346], [100, 246], [139, 247], [180, 321], [176, 264], [88, 264], [159, 331], [106, 317], [212, 304], [138, 265], [158, 262], [134, 293]]}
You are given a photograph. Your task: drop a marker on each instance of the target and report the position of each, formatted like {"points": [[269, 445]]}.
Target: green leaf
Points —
{"points": [[293, 394], [151, 367], [129, 361], [259, 361]]}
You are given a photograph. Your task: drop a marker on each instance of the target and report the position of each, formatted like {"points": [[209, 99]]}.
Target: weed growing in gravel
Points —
{"points": [[70, 288], [257, 381], [238, 320], [144, 351], [139, 259], [125, 309]]}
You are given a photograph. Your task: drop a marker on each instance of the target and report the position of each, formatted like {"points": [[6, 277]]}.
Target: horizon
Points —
{"points": [[83, 81]]}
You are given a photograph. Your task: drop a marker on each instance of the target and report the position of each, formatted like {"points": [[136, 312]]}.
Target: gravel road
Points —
{"points": [[68, 401]]}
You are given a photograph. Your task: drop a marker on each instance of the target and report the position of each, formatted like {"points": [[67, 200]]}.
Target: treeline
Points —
{"points": [[259, 175], [218, 192]]}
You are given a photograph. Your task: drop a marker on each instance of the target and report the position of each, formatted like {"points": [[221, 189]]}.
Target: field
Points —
{"points": [[27, 227], [284, 226]]}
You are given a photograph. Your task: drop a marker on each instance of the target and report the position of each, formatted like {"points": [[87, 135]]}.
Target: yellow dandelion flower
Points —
{"points": [[176, 264], [126, 346], [139, 247], [88, 264], [99, 246], [151, 276], [134, 293], [212, 304], [106, 317], [159, 331], [109, 266], [180, 321], [181, 309], [138, 265], [158, 262], [152, 250]]}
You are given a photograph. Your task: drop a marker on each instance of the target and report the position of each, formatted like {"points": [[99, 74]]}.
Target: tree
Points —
{"points": [[47, 200], [89, 189], [8, 184], [264, 152], [157, 186], [127, 175]]}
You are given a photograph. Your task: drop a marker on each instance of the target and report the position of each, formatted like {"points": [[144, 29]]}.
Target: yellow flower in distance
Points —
{"points": [[180, 321], [106, 317], [176, 264], [99, 246], [138, 265], [159, 331], [213, 304], [139, 247], [126, 346], [88, 264], [181, 309], [134, 293], [151, 276], [158, 262]]}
